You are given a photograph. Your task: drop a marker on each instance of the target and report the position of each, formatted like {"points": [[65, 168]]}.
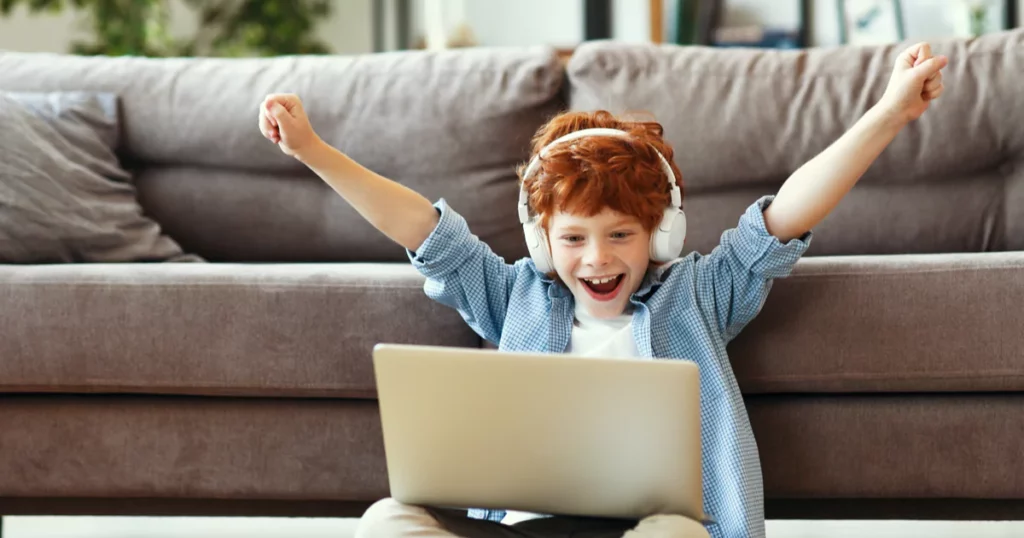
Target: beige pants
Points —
{"points": [[391, 519]]}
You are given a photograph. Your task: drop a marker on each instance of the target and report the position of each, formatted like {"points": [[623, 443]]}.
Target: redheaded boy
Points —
{"points": [[597, 284]]}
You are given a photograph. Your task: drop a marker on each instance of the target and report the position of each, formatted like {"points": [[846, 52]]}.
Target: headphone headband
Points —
{"points": [[534, 166]]}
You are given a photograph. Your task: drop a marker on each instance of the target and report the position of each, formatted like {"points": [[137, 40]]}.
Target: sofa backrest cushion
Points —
{"points": [[450, 124], [742, 120]]}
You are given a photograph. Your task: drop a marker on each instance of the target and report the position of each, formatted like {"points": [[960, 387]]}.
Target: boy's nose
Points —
{"points": [[597, 255]]}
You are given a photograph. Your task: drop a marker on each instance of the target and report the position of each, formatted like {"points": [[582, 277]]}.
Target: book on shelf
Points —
{"points": [[757, 37], [698, 22]]}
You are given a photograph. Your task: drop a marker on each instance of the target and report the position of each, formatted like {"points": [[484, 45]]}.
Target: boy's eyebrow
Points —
{"points": [[576, 227]]}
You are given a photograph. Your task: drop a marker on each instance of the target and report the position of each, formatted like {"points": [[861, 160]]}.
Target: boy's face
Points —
{"points": [[602, 259]]}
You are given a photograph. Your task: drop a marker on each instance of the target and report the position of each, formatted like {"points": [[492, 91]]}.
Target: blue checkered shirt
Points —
{"points": [[690, 310]]}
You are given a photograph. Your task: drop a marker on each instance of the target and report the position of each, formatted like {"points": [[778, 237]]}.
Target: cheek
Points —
{"points": [[563, 257], [640, 250]]}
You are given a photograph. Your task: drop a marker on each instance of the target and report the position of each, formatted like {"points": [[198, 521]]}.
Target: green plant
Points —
{"points": [[263, 27], [979, 19], [226, 27]]}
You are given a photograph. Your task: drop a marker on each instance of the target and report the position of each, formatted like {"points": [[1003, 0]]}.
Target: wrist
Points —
{"points": [[311, 151], [888, 116]]}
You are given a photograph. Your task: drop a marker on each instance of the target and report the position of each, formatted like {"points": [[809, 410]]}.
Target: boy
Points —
{"points": [[596, 284]]}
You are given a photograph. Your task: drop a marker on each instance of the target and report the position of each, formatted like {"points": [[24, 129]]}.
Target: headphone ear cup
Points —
{"points": [[537, 244], [668, 239]]}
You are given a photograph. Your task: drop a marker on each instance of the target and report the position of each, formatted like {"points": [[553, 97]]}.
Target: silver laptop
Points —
{"points": [[544, 433]]}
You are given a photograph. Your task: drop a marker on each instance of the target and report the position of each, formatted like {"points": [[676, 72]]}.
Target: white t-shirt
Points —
{"points": [[593, 337]]}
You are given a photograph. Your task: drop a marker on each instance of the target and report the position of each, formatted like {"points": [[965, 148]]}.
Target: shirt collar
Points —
{"points": [[655, 276]]}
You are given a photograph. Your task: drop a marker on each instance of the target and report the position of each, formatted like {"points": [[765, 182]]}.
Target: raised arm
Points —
{"points": [[461, 270], [814, 190], [397, 211]]}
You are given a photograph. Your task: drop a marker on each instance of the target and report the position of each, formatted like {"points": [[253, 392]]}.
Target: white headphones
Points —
{"points": [[666, 241]]}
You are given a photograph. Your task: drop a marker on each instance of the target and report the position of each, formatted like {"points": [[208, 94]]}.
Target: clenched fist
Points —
{"points": [[283, 121], [916, 81]]}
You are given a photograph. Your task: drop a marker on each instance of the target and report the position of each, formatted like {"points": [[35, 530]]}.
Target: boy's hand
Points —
{"points": [[916, 80], [283, 121], [814, 190]]}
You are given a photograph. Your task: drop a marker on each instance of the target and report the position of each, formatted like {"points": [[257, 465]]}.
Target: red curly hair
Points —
{"points": [[590, 174]]}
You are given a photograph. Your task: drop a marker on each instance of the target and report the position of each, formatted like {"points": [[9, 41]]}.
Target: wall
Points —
{"points": [[47, 33], [494, 22], [553, 22]]}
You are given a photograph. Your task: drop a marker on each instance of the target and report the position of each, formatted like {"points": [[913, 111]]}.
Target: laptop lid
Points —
{"points": [[547, 433]]}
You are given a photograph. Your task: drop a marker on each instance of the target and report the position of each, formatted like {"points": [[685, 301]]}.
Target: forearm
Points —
{"points": [[815, 189], [399, 212]]}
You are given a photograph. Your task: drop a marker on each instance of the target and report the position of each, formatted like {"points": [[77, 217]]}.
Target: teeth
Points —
{"points": [[601, 280]]}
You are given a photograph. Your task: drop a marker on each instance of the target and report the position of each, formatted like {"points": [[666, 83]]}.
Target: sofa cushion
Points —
{"points": [[907, 323], [742, 120], [303, 330], [450, 124], [912, 323], [285, 218], [63, 195], [887, 324]]}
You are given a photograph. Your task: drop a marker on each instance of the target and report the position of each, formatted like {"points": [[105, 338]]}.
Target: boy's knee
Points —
{"points": [[668, 526], [391, 518]]}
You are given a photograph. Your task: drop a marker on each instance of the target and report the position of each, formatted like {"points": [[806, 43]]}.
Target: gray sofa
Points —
{"points": [[884, 378]]}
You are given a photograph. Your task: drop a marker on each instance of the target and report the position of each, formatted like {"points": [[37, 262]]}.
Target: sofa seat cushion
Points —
{"points": [[303, 330], [907, 323]]}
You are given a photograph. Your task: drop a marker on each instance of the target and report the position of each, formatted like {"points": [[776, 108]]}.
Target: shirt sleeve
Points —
{"points": [[734, 279], [464, 273]]}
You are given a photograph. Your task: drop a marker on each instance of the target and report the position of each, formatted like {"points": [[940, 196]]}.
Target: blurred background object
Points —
{"points": [[281, 27], [221, 27]]}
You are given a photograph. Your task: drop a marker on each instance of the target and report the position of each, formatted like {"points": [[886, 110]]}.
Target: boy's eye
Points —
{"points": [[573, 238], [621, 235]]}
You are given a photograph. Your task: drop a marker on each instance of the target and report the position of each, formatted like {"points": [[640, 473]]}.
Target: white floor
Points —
{"points": [[190, 527]]}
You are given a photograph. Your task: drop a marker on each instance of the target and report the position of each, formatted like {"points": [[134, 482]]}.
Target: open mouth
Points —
{"points": [[605, 288]]}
